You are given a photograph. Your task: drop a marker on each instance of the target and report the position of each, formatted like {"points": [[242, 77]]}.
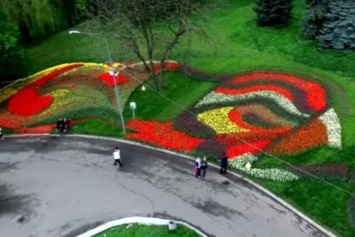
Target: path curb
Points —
{"points": [[267, 192], [137, 220]]}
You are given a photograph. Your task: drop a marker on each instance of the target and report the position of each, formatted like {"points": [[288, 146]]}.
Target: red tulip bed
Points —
{"points": [[244, 115]]}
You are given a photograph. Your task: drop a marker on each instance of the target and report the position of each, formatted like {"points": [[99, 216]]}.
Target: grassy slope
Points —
{"points": [[179, 92], [147, 231], [236, 44]]}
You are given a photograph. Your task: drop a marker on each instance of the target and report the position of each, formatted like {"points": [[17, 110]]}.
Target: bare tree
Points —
{"points": [[150, 29]]}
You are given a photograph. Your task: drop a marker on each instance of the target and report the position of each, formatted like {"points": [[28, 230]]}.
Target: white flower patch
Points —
{"points": [[331, 121], [273, 174], [285, 103], [239, 162]]}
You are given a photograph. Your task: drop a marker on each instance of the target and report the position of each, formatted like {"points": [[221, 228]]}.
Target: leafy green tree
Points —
{"points": [[339, 26], [38, 18], [12, 53], [314, 17], [273, 13]]}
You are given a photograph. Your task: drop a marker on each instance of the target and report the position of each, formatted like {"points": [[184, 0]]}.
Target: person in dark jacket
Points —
{"points": [[204, 166], [66, 124], [224, 163], [60, 125]]}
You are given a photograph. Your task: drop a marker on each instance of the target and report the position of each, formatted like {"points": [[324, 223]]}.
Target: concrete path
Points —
{"points": [[63, 186]]}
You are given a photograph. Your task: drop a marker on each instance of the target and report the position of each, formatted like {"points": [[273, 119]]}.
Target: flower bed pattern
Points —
{"points": [[247, 114], [65, 89], [290, 118]]}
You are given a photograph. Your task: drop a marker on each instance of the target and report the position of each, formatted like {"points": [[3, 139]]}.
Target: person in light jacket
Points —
{"points": [[197, 168], [117, 156], [1, 135]]}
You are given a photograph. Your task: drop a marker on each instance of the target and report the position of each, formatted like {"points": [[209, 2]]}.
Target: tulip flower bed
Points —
{"points": [[278, 113], [80, 91], [245, 114], [277, 116]]}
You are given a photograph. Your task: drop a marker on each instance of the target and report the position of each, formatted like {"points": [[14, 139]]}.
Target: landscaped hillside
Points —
{"points": [[265, 96]]}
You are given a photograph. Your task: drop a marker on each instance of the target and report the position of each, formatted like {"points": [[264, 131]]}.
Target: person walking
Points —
{"points": [[224, 163], [197, 167], [204, 166], [117, 156], [1, 135]]}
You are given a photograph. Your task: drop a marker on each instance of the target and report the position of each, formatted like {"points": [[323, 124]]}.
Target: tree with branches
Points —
{"points": [[150, 29]]}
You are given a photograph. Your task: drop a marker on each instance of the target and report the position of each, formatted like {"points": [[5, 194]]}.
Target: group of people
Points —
{"points": [[63, 125], [201, 166]]}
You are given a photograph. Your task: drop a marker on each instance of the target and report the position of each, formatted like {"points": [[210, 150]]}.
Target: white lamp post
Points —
{"points": [[114, 73]]}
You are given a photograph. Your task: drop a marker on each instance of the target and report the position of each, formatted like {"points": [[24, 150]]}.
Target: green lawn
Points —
{"points": [[179, 92], [147, 231], [235, 44]]}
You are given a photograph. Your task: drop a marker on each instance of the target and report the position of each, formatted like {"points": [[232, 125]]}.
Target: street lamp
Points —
{"points": [[114, 73]]}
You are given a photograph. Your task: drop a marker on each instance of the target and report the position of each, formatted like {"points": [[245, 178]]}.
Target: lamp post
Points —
{"points": [[114, 73]]}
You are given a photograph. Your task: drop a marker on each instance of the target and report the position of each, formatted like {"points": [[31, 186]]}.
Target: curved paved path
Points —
{"points": [[63, 186]]}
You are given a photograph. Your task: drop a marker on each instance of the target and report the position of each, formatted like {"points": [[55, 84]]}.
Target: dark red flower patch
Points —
{"points": [[162, 134], [211, 147], [236, 146], [188, 123], [109, 80], [315, 94], [325, 171], [41, 81], [167, 66], [236, 117], [28, 102]]}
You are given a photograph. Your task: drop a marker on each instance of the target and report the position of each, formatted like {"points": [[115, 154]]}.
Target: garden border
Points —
{"points": [[137, 220], [267, 192]]}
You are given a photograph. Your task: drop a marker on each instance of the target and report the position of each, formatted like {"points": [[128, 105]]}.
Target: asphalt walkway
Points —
{"points": [[63, 186]]}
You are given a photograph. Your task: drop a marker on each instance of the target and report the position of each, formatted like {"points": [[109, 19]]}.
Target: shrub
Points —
{"points": [[351, 210], [273, 13]]}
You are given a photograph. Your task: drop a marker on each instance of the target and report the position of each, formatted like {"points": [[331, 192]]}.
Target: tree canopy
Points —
{"points": [[314, 17], [12, 53], [139, 26], [38, 18], [338, 30]]}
